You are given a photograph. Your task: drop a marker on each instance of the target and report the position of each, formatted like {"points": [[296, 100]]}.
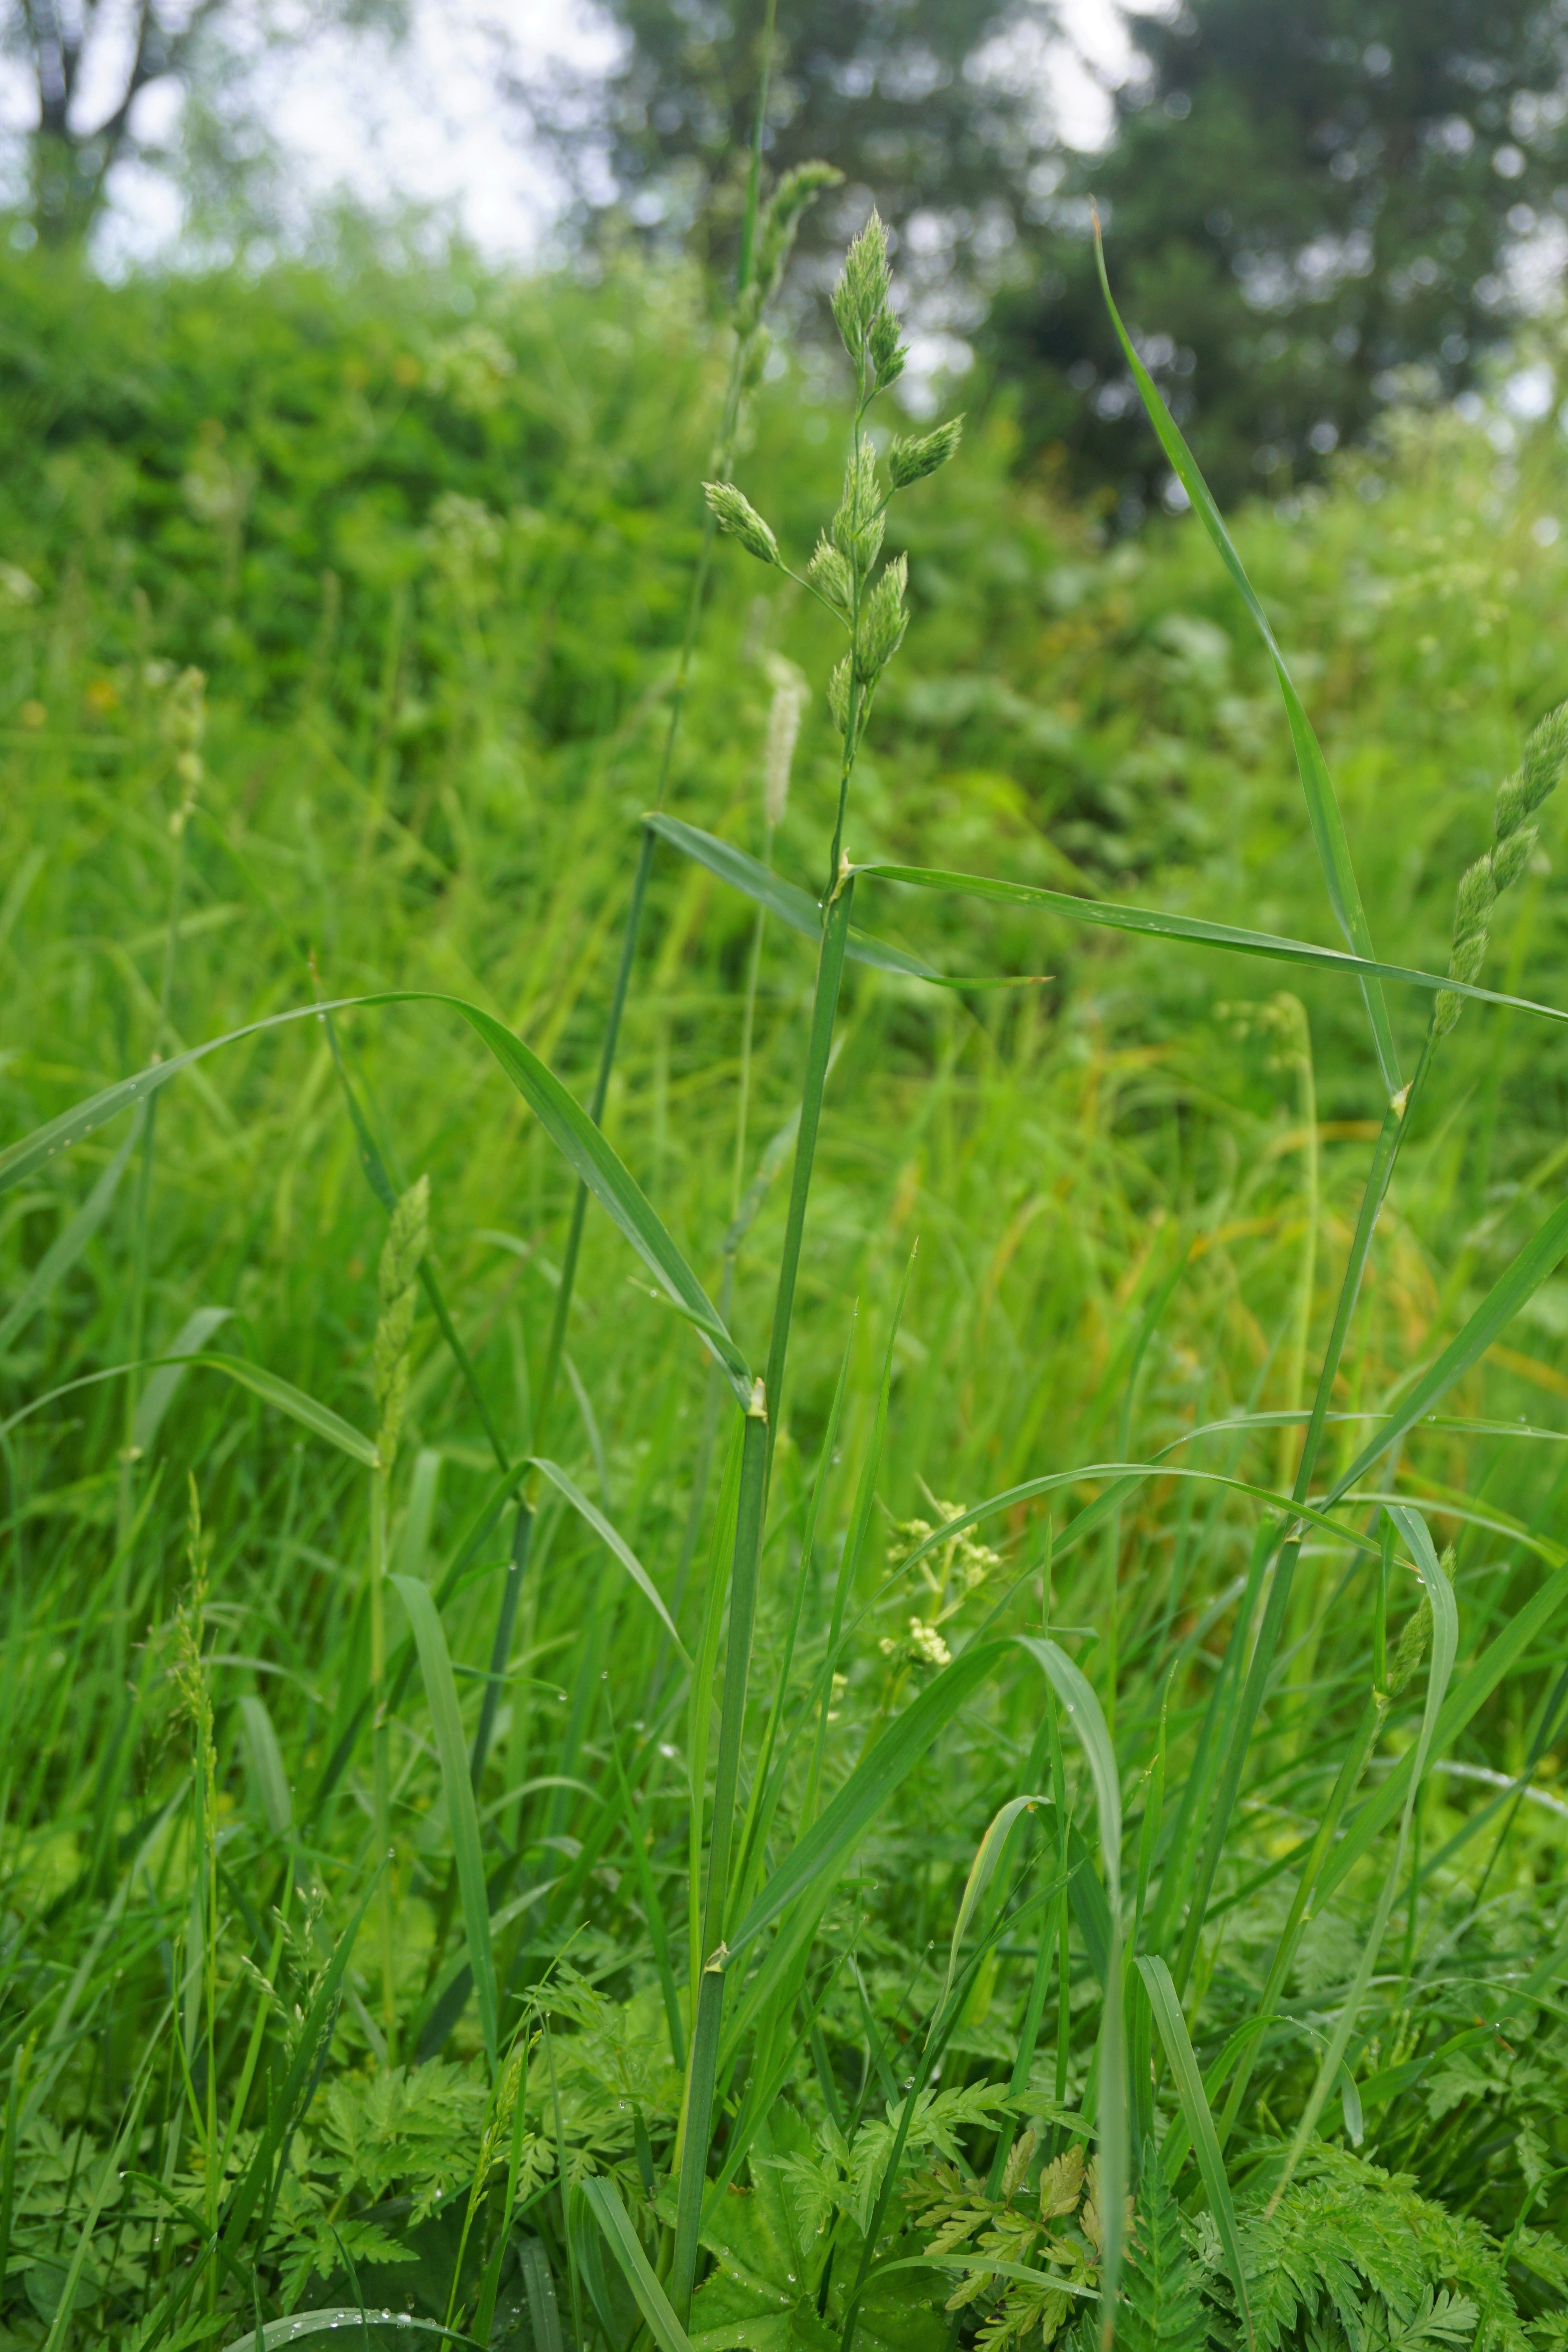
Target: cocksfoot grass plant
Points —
{"points": [[531, 1895]]}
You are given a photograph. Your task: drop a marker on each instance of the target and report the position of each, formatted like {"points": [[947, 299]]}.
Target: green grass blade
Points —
{"points": [[614, 1541], [159, 1393], [568, 1125], [1322, 807], [1539, 1258], [267, 1757], [819, 1045], [350, 2319], [273, 1390], [1444, 1644], [737, 1673], [605, 2200], [1084, 1713], [386, 1192], [695, 2134], [583, 1145], [267, 1385], [69, 1242], [826, 1845], [20, 1159], [1184, 2065], [794, 907], [441, 1691], [697, 2120], [1151, 922], [982, 1870], [1464, 1703], [767, 1786], [854, 1541]]}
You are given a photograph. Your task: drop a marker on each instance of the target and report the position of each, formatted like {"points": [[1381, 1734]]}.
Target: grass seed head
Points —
{"points": [[1545, 757], [1511, 856], [861, 294], [407, 1237], [830, 576], [784, 714], [888, 354], [736, 516], [885, 621], [856, 527], [912, 461], [782, 218], [1514, 842]]}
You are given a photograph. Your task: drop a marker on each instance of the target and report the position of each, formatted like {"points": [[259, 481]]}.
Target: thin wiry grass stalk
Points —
{"points": [[702, 2070], [1395, 1129], [723, 459], [820, 1049]]}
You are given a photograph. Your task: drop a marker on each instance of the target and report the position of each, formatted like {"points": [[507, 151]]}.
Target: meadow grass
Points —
{"points": [[509, 1824]]}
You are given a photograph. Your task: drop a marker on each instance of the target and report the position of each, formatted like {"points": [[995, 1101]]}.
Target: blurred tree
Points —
{"points": [[1309, 206], [96, 70], [917, 102]]}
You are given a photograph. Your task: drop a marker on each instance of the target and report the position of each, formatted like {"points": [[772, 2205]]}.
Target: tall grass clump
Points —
{"points": [[969, 1793]]}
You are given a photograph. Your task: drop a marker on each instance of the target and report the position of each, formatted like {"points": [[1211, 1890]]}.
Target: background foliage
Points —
{"points": [[430, 542]]}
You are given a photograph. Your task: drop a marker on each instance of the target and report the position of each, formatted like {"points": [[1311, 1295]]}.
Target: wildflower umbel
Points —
{"points": [[1514, 840]]}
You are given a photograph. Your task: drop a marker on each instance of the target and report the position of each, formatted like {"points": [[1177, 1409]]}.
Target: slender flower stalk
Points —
{"points": [[868, 603], [767, 238]]}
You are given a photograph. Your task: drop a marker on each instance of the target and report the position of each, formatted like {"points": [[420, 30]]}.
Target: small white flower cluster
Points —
{"points": [[923, 1643], [960, 1557]]}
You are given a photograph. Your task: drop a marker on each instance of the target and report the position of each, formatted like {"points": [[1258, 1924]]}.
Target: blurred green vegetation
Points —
{"points": [[431, 539]]}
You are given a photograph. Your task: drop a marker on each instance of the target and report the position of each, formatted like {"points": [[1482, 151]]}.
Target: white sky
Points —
{"points": [[424, 121]]}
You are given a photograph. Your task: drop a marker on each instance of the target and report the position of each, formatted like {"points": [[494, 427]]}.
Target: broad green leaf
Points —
{"points": [[159, 1393], [1184, 2065], [462, 1815], [266, 1758], [801, 912], [274, 1390], [1444, 1644], [988, 1853], [568, 1125], [617, 1544], [68, 1245], [1536, 1260], [1464, 1703], [1085, 1715], [1088, 1720], [267, 1385], [605, 2199], [348, 2320], [1322, 808], [794, 907], [1151, 922], [826, 1845]]}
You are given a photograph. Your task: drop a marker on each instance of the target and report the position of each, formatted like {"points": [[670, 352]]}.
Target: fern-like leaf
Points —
{"points": [[1161, 2308]]}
